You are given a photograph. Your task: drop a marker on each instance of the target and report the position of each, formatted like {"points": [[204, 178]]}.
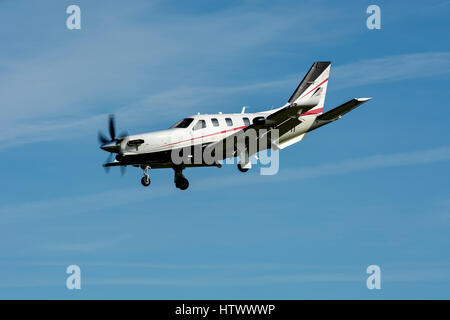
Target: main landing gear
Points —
{"points": [[180, 180], [241, 169], [146, 178], [244, 163]]}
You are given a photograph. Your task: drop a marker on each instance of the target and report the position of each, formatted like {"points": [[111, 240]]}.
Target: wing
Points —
{"points": [[283, 119]]}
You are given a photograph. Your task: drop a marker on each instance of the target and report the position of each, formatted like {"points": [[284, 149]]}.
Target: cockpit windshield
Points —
{"points": [[183, 123]]}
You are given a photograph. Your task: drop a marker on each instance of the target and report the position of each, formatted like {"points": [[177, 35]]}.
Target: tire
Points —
{"points": [[241, 169], [145, 181], [182, 184]]}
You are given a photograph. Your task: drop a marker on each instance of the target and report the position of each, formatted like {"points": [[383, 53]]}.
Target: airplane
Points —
{"points": [[302, 113]]}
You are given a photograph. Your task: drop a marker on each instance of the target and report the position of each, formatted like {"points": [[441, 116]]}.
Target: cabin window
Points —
{"points": [[229, 122], [246, 121], [183, 123], [215, 122], [200, 125]]}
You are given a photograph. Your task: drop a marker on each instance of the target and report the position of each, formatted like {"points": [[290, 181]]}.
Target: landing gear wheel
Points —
{"points": [[242, 169], [145, 181], [182, 184]]}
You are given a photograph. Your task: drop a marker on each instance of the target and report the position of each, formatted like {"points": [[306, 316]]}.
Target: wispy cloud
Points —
{"points": [[371, 162], [291, 274], [342, 167], [393, 68], [126, 67], [190, 99], [62, 207], [16, 213], [87, 246], [240, 275], [184, 99], [129, 64]]}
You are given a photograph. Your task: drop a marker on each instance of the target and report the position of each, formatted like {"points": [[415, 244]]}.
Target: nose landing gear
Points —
{"points": [[180, 180], [145, 181], [146, 178]]}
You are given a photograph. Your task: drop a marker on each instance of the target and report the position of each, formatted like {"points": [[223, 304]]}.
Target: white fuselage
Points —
{"points": [[223, 136], [216, 127]]}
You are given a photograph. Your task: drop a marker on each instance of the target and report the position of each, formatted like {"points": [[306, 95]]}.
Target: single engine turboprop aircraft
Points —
{"points": [[302, 113]]}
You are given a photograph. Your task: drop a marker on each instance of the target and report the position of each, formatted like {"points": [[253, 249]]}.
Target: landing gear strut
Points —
{"points": [[146, 178], [180, 180], [244, 162]]}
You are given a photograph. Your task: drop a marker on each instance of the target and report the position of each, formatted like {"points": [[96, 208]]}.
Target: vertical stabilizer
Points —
{"points": [[312, 89]]}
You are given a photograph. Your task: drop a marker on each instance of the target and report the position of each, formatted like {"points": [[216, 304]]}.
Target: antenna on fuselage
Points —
{"points": [[243, 109]]}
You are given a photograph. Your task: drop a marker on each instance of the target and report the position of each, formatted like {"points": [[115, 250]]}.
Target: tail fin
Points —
{"points": [[313, 88]]}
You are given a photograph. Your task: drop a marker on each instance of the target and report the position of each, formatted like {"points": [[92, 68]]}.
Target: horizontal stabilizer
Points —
{"points": [[338, 112]]}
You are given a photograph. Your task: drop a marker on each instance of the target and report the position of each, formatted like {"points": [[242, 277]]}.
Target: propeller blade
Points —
{"points": [[108, 160], [112, 127], [101, 138]]}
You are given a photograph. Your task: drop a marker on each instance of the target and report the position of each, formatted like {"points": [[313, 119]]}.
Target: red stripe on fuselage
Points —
{"points": [[315, 111], [208, 135]]}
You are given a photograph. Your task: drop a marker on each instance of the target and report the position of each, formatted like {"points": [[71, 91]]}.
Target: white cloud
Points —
{"points": [[128, 64]]}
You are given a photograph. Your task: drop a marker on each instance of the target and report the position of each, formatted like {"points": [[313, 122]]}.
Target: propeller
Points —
{"points": [[112, 127], [112, 132], [108, 160], [101, 138], [111, 144]]}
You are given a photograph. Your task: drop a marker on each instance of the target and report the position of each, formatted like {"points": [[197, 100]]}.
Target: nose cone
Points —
{"points": [[110, 147]]}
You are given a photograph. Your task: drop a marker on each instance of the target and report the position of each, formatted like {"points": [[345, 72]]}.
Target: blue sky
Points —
{"points": [[371, 188]]}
